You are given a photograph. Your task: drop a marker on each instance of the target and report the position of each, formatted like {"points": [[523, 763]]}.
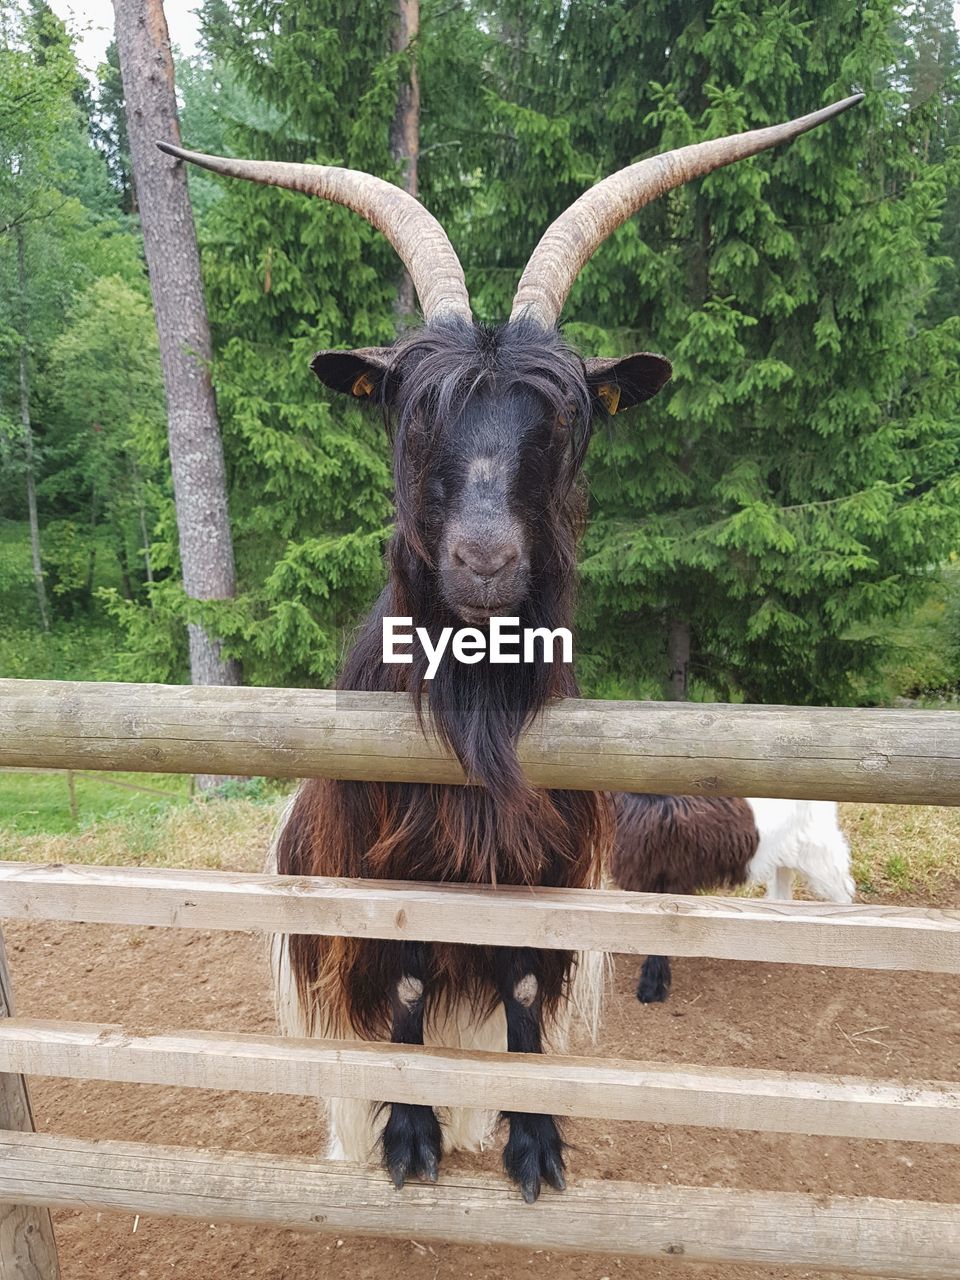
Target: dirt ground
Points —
{"points": [[751, 1015]]}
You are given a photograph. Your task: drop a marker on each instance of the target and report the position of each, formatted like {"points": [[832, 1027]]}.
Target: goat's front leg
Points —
{"points": [[411, 1139], [534, 1149]]}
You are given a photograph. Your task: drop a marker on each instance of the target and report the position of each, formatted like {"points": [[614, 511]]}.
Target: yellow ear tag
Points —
{"points": [[363, 386], [609, 393]]}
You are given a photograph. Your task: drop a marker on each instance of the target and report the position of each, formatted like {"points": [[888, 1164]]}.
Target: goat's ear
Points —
{"points": [[356, 373], [620, 383]]}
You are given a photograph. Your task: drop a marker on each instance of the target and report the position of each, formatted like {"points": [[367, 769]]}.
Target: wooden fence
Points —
{"points": [[910, 756]]}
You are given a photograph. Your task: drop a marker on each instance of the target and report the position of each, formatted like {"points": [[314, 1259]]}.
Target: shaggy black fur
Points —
{"points": [[483, 421]]}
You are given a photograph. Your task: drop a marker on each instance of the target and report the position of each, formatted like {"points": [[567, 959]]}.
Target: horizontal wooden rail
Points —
{"points": [[912, 1240], [809, 752], [613, 1089], [826, 934]]}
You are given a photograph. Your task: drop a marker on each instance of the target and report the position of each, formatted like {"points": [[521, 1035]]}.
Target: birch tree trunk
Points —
{"points": [[405, 131], [173, 261], [27, 430]]}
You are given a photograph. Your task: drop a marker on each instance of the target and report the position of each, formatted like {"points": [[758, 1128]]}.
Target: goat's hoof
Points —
{"points": [[653, 986], [411, 1143], [653, 992], [534, 1154]]}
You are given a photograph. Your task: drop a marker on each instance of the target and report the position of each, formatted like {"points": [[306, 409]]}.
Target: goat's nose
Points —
{"points": [[486, 559]]}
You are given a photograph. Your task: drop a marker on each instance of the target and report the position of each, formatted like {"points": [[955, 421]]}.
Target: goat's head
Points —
{"points": [[490, 428], [491, 425]]}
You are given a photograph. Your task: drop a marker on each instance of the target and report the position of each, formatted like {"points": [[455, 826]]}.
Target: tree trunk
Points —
{"points": [[27, 428], [405, 131], [678, 656], [196, 450], [145, 545], [123, 560], [92, 557]]}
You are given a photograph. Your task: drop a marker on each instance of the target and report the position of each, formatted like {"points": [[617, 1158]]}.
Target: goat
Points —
{"points": [[490, 427], [682, 844]]}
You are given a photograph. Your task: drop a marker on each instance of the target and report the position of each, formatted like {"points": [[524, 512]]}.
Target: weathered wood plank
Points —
{"points": [[28, 1250], [908, 1239], [826, 934], [663, 1092], [909, 756]]}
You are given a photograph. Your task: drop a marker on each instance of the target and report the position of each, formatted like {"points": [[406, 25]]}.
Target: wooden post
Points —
{"points": [[27, 1247], [72, 789], [782, 885]]}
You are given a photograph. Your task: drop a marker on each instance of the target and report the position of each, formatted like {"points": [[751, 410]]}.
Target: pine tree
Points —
{"points": [[928, 55], [108, 128], [791, 488], [786, 496]]}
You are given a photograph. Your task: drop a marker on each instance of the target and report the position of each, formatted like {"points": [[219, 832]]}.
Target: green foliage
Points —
{"points": [[66, 562], [108, 128], [789, 496], [81, 316], [309, 480], [951, 612], [257, 790], [108, 448], [787, 493], [83, 647]]}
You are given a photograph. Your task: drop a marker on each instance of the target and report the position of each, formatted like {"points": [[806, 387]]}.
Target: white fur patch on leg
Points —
{"points": [[409, 990], [781, 886], [290, 1015], [525, 991]]}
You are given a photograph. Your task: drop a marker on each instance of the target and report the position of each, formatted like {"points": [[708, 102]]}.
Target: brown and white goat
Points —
{"points": [[684, 844], [490, 429]]}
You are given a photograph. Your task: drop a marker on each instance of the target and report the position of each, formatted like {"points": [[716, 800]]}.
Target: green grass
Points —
{"points": [[39, 803], [898, 850], [218, 833]]}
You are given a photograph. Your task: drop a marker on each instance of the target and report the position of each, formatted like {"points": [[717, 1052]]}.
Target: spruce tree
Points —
{"points": [[790, 490], [786, 497]]}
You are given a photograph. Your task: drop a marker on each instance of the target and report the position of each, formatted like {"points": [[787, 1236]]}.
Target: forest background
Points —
{"points": [[788, 511]]}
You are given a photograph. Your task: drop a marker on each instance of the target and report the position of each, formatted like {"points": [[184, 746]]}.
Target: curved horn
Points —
{"points": [[416, 235], [574, 237]]}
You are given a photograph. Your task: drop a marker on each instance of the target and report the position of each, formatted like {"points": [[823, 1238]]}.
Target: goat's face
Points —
{"points": [[491, 426], [490, 482]]}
